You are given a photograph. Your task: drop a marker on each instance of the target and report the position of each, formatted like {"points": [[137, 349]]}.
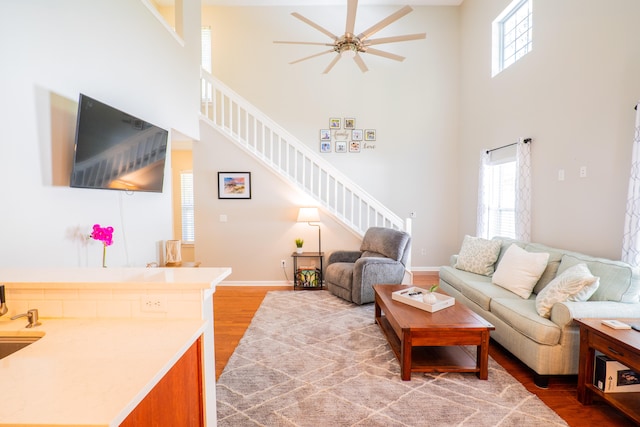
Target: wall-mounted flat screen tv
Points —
{"points": [[115, 150]]}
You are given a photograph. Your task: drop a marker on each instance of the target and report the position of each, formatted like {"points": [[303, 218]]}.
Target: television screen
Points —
{"points": [[115, 150]]}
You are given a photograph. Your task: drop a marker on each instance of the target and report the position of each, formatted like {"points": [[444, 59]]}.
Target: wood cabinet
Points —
{"points": [[177, 400], [621, 345]]}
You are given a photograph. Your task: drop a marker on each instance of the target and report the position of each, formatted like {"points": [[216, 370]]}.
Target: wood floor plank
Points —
{"points": [[234, 307]]}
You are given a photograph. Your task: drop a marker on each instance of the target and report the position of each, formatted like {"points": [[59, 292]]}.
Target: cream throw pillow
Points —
{"points": [[574, 284], [519, 270], [478, 255]]}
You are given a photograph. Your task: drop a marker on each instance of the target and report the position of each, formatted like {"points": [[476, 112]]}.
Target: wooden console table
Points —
{"points": [[622, 345]]}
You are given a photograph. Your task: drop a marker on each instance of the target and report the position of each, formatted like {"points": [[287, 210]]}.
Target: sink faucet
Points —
{"points": [[3, 302], [32, 317]]}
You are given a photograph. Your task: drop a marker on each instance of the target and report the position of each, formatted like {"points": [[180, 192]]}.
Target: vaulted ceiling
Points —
{"points": [[323, 2]]}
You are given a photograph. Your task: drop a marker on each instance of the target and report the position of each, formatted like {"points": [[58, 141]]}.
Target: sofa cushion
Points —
{"points": [[482, 293], [478, 255], [619, 281], [575, 284], [475, 287], [519, 270], [555, 256], [551, 271], [458, 279], [521, 315]]}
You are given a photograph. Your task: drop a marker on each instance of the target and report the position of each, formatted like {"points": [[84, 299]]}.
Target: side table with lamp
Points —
{"points": [[309, 277]]}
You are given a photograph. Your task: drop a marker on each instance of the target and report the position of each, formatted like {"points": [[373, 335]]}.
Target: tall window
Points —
{"points": [[205, 53], [205, 59], [504, 192], [187, 206], [501, 198], [512, 35]]}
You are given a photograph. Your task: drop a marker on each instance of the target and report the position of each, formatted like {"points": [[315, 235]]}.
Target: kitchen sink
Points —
{"points": [[10, 342]]}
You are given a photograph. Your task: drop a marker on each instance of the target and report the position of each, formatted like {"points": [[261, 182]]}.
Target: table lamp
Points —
{"points": [[310, 215]]}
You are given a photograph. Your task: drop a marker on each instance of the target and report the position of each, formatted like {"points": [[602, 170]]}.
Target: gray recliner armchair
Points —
{"points": [[381, 259]]}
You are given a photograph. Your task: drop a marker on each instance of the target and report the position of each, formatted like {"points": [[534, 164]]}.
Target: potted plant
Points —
{"points": [[430, 297], [299, 243]]}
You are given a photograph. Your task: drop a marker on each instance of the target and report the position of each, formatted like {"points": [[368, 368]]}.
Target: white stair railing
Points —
{"points": [[292, 160]]}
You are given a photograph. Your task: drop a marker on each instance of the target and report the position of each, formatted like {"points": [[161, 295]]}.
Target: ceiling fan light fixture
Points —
{"points": [[348, 51], [349, 45]]}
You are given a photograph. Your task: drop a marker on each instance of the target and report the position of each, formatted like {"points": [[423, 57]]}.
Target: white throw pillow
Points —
{"points": [[574, 284], [519, 270], [478, 255]]}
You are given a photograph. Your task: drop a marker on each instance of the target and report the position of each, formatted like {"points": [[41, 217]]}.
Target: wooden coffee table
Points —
{"points": [[430, 342]]}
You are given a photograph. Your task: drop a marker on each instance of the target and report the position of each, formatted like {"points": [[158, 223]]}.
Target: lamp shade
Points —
{"points": [[308, 215]]}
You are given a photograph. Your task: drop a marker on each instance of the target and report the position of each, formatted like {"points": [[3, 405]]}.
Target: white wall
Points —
{"points": [[112, 50], [413, 105], [574, 95]]}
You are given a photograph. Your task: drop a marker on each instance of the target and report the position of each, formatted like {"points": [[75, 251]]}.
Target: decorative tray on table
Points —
{"points": [[413, 297]]}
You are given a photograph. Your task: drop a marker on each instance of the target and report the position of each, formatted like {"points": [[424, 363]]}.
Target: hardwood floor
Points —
{"points": [[234, 307]]}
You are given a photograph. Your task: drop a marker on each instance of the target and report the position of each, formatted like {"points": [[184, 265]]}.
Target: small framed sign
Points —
{"points": [[234, 185]]}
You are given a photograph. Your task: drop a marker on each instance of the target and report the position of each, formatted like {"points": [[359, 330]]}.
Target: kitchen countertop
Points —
{"points": [[88, 372], [114, 278]]}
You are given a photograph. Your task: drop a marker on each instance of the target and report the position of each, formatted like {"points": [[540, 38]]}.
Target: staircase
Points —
{"points": [[292, 160]]}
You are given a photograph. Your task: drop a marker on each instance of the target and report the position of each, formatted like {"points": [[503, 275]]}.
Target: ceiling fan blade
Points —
{"points": [[386, 21], [314, 25], [385, 54], [312, 56], [312, 43], [352, 7], [360, 62], [331, 64], [395, 39]]}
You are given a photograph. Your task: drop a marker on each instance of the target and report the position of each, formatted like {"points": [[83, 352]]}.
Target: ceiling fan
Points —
{"points": [[350, 45]]}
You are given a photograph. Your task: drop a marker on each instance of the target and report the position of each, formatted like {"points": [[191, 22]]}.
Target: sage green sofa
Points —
{"points": [[549, 346]]}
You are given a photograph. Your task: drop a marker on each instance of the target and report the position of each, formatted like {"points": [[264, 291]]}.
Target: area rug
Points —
{"points": [[311, 359]]}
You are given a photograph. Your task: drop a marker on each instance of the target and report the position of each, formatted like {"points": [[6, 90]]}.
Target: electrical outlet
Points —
{"points": [[583, 171], [153, 303], [283, 263]]}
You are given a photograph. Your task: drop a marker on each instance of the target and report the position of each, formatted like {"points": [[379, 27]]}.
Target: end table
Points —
{"points": [[622, 345], [308, 277]]}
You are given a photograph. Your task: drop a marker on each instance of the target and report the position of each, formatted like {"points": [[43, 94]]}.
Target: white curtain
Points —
{"points": [[522, 196], [523, 191], [482, 220], [631, 237]]}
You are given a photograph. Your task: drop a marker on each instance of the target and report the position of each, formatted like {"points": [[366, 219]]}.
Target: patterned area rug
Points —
{"points": [[311, 359]]}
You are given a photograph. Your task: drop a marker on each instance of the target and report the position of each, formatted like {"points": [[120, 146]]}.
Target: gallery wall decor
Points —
{"points": [[342, 136], [234, 185]]}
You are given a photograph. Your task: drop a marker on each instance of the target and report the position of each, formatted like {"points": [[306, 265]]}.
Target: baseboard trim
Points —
{"points": [[255, 283], [418, 271], [425, 269]]}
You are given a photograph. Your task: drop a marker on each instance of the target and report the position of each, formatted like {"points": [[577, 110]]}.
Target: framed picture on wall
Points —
{"points": [[234, 185], [354, 147], [325, 134], [334, 123], [341, 146], [369, 134], [325, 146], [349, 123], [356, 134]]}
